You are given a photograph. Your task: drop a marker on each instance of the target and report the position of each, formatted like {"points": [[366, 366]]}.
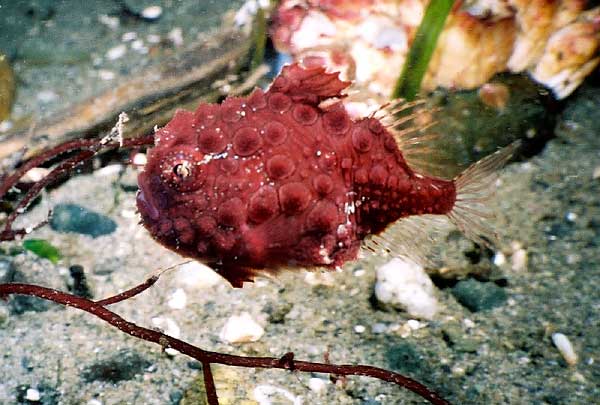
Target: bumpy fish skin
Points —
{"points": [[277, 179]]}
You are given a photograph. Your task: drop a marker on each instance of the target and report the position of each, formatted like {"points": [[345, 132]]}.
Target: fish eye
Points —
{"points": [[183, 169], [179, 170]]}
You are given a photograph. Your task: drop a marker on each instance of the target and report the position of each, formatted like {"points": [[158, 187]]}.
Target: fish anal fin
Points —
{"points": [[310, 85], [412, 238]]}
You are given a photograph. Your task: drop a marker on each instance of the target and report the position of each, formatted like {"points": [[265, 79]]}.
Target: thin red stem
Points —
{"points": [[209, 385], [208, 357]]}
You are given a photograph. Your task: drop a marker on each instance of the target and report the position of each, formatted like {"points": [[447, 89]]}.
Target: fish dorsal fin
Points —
{"points": [[310, 85], [412, 238], [412, 125]]}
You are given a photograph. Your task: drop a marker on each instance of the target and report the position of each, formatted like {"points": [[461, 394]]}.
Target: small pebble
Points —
{"points": [[116, 52], [129, 36], [479, 296], [360, 329], [32, 395], [78, 219], [138, 46], [36, 174], [499, 259], [564, 346], [379, 328], [178, 299], [241, 329], [47, 96], [106, 74], [94, 402], [518, 260], [6, 126], [404, 284], [167, 325], [110, 22], [153, 39], [152, 13], [596, 173], [176, 36], [270, 395], [413, 324], [197, 275], [171, 352], [317, 385]]}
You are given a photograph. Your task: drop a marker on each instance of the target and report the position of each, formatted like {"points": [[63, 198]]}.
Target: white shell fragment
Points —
{"points": [[178, 299], [32, 395], [404, 284], [241, 329], [564, 346], [197, 276], [152, 12]]}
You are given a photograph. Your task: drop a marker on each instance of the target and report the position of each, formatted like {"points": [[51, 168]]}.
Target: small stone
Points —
{"points": [[479, 296], [167, 325], [178, 299], [197, 275], [32, 395], [176, 36], [122, 365], [78, 219], [270, 394], [564, 346], [241, 329], [499, 259], [106, 75], [404, 284], [379, 328], [94, 402], [360, 329], [518, 260], [47, 96], [317, 385], [36, 174], [171, 352], [129, 36], [152, 13], [116, 52], [596, 173]]}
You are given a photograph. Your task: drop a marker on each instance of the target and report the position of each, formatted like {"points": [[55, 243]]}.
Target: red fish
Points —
{"points": [[287, 179]]}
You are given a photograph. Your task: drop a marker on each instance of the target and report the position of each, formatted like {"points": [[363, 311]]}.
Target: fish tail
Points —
{"points": [[474, 189]]}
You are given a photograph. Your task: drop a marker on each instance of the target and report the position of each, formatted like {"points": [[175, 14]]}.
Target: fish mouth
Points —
{"points": [[145, 203]]}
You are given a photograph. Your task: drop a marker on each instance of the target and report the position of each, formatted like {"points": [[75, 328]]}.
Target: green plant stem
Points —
{"points": [[419, 55]]}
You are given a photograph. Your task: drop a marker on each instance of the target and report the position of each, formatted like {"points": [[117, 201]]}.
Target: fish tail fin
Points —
{"points": [[474, 189]]}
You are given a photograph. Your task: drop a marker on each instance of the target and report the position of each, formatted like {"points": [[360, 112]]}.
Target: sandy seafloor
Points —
{"points": [[549, 204]]}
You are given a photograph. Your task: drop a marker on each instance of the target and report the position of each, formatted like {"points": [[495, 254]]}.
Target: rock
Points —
{"points": [[122, 365], [197, 275], [178, 299], [78, 219], [564, 346], [317, 385], [241, 329], [404, 358], [479, 296], [403, 284]]}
